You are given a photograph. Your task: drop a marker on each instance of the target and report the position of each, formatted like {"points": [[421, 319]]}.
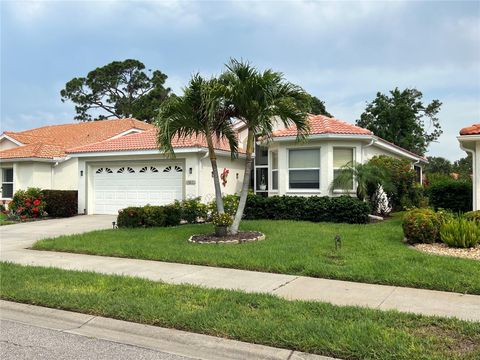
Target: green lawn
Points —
{"points": [[345, 332], [371, 253], [4, 221]]}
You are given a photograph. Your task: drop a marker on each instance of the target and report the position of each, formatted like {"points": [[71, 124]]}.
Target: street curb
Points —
{"points": [[177, 342]]}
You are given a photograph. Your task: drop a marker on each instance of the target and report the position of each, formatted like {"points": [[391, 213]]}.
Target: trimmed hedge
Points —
{"points": [[450, 194], [61, 203], [343, 209], [149, 216]]}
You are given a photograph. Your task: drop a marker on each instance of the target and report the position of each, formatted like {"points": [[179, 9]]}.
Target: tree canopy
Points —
{"points": [[464, 166], [120, 89], [403, 119], [438, 165], [317, 107]]}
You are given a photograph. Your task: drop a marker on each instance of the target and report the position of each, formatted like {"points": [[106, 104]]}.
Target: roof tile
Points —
{"points": [[320, 124], [146, 141], [471, 130], [52, 141]]}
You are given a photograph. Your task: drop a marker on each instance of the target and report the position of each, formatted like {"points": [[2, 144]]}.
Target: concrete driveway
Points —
{"points": [[17, 237]]}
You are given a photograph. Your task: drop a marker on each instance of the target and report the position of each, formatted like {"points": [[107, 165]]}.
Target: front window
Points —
{"points": [[341, 158], [7, 183], [274, 157], [304, 169]]}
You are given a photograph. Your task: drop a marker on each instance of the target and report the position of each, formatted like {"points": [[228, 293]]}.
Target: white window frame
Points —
{"points": [[8, 182], [354, 156], [272, 170], [306, 190]]}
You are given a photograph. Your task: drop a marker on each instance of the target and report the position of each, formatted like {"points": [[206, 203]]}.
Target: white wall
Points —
{"points": [[371, 151], [6, 144], [65, 175], [234, 184]]}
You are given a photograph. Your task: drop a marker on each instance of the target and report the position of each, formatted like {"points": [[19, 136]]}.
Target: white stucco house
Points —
{"points": [[116, 163], [470, 142]]}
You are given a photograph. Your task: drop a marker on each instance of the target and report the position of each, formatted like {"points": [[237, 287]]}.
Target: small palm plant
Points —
{"points": [[367, 178]]}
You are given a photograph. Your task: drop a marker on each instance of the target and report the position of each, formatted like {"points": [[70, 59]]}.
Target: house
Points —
{"points": [[284, 166], [116, 163], [470, 142]]}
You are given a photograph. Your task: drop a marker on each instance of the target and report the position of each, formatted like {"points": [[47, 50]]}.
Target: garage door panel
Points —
{"points": [[118, 186]]}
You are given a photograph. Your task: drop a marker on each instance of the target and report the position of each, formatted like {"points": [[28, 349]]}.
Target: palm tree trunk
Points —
{"points": [[246, 181], [216, 179]]}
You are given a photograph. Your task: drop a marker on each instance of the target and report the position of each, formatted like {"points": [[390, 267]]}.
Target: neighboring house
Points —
{"points": [[470, 142], [116, 163]]}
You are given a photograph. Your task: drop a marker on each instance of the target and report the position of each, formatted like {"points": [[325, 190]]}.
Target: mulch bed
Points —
{"points": [[241, 237]]}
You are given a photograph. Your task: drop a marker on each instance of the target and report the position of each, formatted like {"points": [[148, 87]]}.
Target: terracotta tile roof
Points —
{"points": [[471, 130], [45, 151], [145, 141], [55, 139], [320, 124]]}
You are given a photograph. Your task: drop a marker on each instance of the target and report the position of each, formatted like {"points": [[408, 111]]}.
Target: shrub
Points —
{"points": [[153, 216], [421, 226], [148, 216], [460, 232], [130, 217], [339, 209], [473, 215], [192, 210], [222, 219], [454, 195], [27, 204], [61, 203], [230, 205], [405, 193], [173, 215]]}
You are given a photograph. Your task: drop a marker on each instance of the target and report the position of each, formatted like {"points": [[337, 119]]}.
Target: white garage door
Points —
{"points": [[117, 186]]}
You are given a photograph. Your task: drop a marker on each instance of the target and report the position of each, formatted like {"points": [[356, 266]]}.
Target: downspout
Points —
{"points": [[372, 141], [474, 183]]}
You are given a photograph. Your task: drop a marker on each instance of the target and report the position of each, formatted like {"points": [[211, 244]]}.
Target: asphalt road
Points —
{"points": [[20, 341]]}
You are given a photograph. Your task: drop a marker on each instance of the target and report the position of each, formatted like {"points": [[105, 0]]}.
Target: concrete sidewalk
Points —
{"points": [[15, 238], [170, 341]]}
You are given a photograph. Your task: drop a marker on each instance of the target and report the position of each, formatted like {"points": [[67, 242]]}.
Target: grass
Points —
{"points": [[371, 253], [321, 328], [4, 221]]}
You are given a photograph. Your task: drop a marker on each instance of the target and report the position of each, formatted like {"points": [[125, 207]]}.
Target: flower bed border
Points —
{"points": [[260, 237]]}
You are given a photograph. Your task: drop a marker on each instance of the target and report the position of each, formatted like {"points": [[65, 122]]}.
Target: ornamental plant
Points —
{"points": [[380, 203], [222, 219], [460, 232], [27, 204], [224, 176]]}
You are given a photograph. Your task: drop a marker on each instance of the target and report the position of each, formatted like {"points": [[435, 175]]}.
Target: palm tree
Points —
{"points": [[258, 99], [367, 177], [201, 111]]}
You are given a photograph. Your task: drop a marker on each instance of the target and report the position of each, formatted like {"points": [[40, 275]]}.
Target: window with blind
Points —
{"points": [[304, 169], [7, 183], [341, 158]]}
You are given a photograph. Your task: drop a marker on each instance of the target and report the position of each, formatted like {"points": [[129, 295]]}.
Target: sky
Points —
{"points": [[342, 52]]}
